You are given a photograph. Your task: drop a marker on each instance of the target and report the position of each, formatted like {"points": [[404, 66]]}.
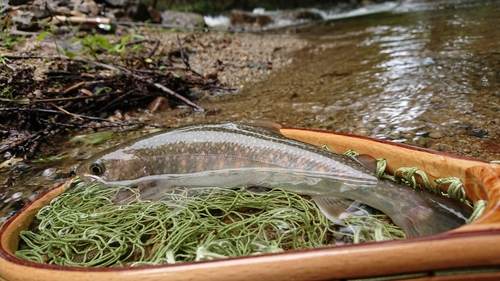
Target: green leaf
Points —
{"points": [[125, 40], [69, 54], [42, 35], [138, 36], [100, 40], [102, 90], [94, 138]]}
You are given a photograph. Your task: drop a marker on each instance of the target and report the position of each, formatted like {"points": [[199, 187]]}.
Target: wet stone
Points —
{"points": [[393, 135], [422, 134], [477, 132], [63, 10], [242, 18], [436, 135]]}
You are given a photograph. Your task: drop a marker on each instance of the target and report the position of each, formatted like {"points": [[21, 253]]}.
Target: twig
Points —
{"points": [[67, 112], [100, 64], [65, 99], [155, 47], [172, 93], [89, 126], [121, 70], [55, 112], [74, 87], [184, 59]]}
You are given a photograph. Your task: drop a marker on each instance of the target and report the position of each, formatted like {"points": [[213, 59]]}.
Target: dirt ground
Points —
{"points": [[56, 82]]}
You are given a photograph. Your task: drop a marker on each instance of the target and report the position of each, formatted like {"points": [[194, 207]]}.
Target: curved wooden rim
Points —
{"points": [[482, 181]]}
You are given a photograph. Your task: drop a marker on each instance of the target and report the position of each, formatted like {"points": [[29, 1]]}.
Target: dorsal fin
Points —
{"points": [[367, 161], [263, 124]]}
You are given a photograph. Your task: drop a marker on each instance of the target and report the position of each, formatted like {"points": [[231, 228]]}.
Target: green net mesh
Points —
{"points": [[85, 227]]}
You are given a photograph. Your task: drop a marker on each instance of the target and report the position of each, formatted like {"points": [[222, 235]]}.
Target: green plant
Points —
{"points": [[7, 41], [95, 43], [7, 95], [50, 31]]}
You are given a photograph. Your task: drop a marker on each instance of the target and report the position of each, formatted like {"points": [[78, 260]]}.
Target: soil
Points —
{"points": [[49, 94]]}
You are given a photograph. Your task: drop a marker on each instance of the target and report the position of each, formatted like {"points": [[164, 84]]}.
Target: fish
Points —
{"points": [[232, 155]]}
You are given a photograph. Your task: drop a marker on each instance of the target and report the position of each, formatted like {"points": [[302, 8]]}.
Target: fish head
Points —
{"points": [[115, 166]]}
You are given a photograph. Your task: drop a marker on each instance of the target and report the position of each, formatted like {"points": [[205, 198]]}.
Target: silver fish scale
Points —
{"points": [[228, 155], [217, 147]]}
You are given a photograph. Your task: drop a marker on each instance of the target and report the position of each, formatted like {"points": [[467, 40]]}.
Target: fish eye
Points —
{"points": [[97, 168]]}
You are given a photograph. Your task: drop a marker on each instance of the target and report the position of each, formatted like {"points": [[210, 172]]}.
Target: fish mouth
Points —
{"points": [[85, 176]]}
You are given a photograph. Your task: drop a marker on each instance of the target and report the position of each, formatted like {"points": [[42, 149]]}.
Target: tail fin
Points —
{"points": [[440, 215]]}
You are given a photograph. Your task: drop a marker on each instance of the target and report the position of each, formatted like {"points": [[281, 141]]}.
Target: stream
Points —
{"points": [[425, 74]]}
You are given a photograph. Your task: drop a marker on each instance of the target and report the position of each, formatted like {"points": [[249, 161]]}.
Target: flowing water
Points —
{"points": [[426, 73]]}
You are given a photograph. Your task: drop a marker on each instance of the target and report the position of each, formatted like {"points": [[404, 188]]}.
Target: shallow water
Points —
{"points": [[427, 73]]}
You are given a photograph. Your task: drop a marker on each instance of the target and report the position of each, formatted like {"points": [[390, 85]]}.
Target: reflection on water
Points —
{"points": [[427, 68], [427, 74]]}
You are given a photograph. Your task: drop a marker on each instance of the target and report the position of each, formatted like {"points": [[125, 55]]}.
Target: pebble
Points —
{"points": [[476, 132], [436, 135], [393, 135]]}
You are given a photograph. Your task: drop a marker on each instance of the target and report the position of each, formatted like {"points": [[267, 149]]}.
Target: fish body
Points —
{"points": [[232, 155]]}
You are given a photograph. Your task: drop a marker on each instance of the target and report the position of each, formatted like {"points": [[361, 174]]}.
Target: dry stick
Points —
{"points": [[123, 70], [184, 60], [82, 125], [155, 47], [157, 85], [67, 112], [65, 99], [58, 112], [74, 87], [83, 83]]}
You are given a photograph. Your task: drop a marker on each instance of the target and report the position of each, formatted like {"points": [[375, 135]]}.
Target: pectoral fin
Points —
{"points": [[337, 209]]}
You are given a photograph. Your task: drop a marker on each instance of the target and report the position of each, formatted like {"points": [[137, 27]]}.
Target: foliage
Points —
{"points": [[93, 138], [95, 44], [8, 42]]}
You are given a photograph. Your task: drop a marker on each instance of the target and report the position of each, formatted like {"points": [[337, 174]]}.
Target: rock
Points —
{"points": [[298, 15], [477, 132], [39, 11], [118, 3], [138, 12], [17, 2], [154, 15], [63, 10], [88, 7], [182, 19], [242, 18], [436, 135], [393, 135], [76, 13], [23, 20]]}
